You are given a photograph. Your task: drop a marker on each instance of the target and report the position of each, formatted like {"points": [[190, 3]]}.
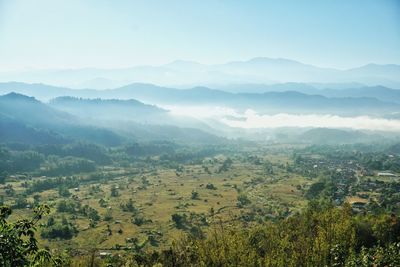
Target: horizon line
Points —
{"points": [[66, 68]]}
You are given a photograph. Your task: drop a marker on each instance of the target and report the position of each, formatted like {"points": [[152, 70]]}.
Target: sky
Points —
{"points": [[46, 34]]}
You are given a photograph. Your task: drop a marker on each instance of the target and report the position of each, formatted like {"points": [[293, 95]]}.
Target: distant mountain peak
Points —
{"points": [[17, 96], [273, 60], [375, 66]]}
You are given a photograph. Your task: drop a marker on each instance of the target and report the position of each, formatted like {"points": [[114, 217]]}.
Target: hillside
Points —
{"points": [[358, 101], [336, 136], [108, 108], [66, 119], [26, 112], [15, 131]]}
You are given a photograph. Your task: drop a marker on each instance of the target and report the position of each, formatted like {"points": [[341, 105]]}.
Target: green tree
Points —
{"points": [[114, 191], [243, 200], [195, 195], [18, 245], [179, 220], [63, 191]]}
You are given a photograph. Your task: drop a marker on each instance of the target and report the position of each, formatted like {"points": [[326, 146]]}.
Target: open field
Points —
{"points": [[157, 192], [146, 203]]}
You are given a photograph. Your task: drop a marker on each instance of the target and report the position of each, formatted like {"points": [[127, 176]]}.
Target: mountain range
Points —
{"points": [[288, 98], [181, 73], [112, 122]]}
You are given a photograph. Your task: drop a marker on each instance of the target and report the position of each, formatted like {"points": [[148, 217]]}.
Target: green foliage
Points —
{"points": [[128, 206], [59, 230], [68, 166], [180, 220], [319, 237], [88, 151], [195, 195], [50, 183], [108, 215], [19, 161], [243, 200], [20, 202], [138, 220], [211, 186], [114, 191], [315, 190], [90, 212], [266, 231], [63, 191], [18, 245], [323, 235], [225, 165], [66, 206]]}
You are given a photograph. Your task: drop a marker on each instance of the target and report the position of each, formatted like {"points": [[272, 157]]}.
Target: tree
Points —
{"points": [[211, 186], [63, 191], [243, 200], [9, 190], [93, 214], [179, 220], [18, 245], [20, 202], [36, 200], [102, 203], [59, 230], [108, 215], [195, 195], [114, 191], [128, 206], [138, 220]]}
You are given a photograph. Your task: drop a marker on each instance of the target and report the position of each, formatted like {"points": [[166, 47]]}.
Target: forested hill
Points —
{"points": [[27, 120], [107, 108]]}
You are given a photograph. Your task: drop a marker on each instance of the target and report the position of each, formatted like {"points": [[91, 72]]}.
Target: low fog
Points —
{"points": [[250, 119]]}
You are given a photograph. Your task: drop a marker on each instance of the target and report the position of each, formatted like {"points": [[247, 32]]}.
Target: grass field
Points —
{"points": [[157, 192]]}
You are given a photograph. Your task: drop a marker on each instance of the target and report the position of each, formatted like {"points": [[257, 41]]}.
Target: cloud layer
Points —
{"points": [[252, 120]]}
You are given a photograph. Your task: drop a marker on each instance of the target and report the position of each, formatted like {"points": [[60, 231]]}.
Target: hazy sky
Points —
{"points": [[99, 33]]}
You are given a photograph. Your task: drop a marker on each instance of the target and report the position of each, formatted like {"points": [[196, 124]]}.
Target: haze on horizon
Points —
{"points": [[300, 53], [48, 34]]}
